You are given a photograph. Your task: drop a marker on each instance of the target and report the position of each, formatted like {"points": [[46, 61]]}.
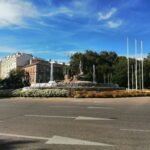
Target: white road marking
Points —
{"points": [[23, 136], [62, 106], [95, 107], [135, 130], [91, 118], [75, 118], [46, 116], [71, 141], [57, 140]]}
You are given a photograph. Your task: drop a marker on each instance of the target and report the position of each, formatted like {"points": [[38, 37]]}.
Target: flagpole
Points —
{"points": [[136, 83], [132, 77], [128, 63], [140, 86], [142, 60]]}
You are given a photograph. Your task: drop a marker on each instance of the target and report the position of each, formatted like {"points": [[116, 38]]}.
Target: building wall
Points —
{"points": [[12, 62], [7, 64], [39, 72], [43, 73], [58, 71], [31, 70], [23, 59]]}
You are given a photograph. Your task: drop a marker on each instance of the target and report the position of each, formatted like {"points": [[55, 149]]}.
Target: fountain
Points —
{"points": [[51, 72], [75, 82], [94, 75], [80, 68], [79, 80], [52, 82]]}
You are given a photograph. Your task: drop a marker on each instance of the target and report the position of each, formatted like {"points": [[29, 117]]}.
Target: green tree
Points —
{"points": [[120, 72], [17, 79], [147, 73], [103, 62], [148, 56]]}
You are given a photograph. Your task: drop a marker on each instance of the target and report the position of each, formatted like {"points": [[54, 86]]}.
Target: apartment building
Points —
{"points": [[12, 62]]}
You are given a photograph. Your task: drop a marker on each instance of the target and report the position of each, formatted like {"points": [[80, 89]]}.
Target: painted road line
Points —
{"points": [[46, 116], [95, 107], [135, 130], [23, 136], [92, 118], [62, 106], [58, 140], [71, 141], [75, 118]]}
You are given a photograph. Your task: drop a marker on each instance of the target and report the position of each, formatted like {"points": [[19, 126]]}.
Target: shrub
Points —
{"points": [[108, 94], [35, 93], [45, 93]]}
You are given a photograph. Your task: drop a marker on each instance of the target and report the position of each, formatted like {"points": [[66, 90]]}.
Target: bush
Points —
{"points": [[35, 93], [45, 93], [66, 93], [108, 94]]}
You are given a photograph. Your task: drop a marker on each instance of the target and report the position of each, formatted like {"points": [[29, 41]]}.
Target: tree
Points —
{"points": [[17, 79], [109, 67], [103, 62], [147, 73], [120, 72], [148, 56]]}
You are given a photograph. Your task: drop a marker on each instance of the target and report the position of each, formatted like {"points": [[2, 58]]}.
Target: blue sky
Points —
{"points": [[54, 29]]}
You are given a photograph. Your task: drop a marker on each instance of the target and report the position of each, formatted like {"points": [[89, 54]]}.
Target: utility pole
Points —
{"points": [[136, 82], [128, 63]]}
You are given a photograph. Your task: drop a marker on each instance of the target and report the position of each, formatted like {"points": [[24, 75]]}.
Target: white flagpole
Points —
{"points": [[128, 63], [132, 77], [136, 82], [142, 60], [140, 87]]}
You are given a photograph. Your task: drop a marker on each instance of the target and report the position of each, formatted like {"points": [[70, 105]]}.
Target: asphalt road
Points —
{"points": [[75, 124]]}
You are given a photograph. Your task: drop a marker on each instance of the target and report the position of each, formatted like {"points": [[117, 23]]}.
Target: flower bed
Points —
{"points": [[108, 94]]}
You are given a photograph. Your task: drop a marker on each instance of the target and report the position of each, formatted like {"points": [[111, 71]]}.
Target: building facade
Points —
{"points": [[17, 60], [39, 71]]}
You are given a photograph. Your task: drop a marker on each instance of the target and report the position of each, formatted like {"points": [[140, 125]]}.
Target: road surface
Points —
{"points": [[75, 124]]}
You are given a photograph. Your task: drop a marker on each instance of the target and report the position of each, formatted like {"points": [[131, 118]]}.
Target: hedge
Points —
{"points": [[35, 93]]}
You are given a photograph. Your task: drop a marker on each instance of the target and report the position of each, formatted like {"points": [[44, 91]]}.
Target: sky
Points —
{"points": [[55, 29]]}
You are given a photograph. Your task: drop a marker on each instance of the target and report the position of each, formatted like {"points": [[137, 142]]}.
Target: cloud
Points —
{"points": [[114, 24], [60, 11], [14, 12], [10, 50], [106, 15], [70, 53]]}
